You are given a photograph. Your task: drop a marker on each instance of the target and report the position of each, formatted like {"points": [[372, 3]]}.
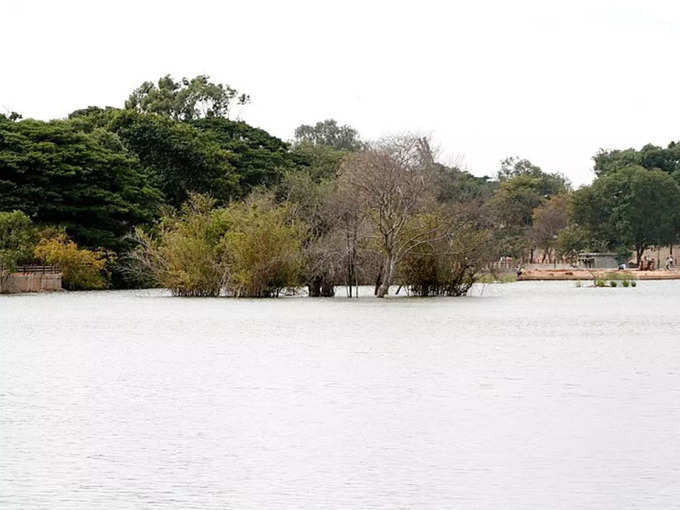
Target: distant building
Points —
{"points": [[597, 260]]}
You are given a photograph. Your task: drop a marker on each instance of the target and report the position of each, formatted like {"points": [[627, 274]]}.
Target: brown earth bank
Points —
{"points": [[583, 274]]}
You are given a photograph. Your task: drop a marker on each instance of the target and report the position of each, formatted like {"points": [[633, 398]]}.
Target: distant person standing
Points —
{"points": [[669, 262]]}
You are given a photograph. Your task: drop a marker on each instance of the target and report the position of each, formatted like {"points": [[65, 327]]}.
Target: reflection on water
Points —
{"points": [[527, 395]]}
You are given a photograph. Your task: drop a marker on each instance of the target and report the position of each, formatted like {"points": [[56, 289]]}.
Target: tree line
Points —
{"points": [[169, 191]]}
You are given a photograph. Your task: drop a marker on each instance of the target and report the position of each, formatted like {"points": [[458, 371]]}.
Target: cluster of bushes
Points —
{"points": [[613, 279], [250, 248], [447, 265], [615, 283]]}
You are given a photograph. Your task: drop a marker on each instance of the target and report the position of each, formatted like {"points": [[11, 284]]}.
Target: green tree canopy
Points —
{"points": [[217, 156], [320, 161], [258, 158], [186, 150], [329, 133], [572, 240], [179, 158], [649, 157], [522, 188], [11, 116], [545, 183], [520, 191], [632, 206], [548, 220], [17, 239], [185, 99], [87, 182], [459, 186]]}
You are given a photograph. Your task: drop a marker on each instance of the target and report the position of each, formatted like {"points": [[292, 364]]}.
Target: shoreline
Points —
{"points": [[605, 274]]}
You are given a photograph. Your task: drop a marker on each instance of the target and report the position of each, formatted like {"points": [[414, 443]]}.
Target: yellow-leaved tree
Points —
{"points": [[82, 269]]}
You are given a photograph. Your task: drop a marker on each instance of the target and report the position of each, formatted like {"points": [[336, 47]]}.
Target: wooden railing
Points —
{"points": [[38, 269]]}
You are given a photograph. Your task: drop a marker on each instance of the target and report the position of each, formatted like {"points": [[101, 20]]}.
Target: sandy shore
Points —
{"points": [[582, 274]]}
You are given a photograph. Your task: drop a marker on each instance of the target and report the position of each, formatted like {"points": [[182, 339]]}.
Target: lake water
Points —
{"points": [[529, 395]]}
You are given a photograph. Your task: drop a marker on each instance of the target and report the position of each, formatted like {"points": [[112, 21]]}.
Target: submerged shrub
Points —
{"points": [[262, 248], [184, 255], [612, 283], [625, 283], [81, 269], [250, 248], [633, 283], [449, 264]]}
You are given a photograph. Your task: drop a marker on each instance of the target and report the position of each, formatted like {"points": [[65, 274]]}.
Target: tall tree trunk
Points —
{"points": [[378, 281], [327, 288], [387, 271], [349, 265], [314, 287], [638, 250], [350, 271]]}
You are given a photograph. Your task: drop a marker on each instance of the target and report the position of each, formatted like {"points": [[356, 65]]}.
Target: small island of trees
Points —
{"points": [[170, 192]]}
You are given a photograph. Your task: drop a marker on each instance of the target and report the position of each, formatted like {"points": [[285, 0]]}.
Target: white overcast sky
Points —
{"points": [[546, 80]]}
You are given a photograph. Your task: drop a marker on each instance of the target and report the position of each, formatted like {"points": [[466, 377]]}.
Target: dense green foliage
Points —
{"points": [[571, 241], [178, 158], [456, 186], [523, 187], [186, 99], [328, 133], [548, 220], [650, 157], [632, 206], [214, 155], [105, 170], [87, 182], [17, 239], [257, 158]]}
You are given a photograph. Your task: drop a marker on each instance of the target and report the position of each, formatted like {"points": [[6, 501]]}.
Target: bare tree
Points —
{"points": [[349, 212], [392, 183], [336, 228]]}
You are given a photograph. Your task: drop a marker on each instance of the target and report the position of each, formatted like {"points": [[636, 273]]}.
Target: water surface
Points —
{"points": [[526, 395]]}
